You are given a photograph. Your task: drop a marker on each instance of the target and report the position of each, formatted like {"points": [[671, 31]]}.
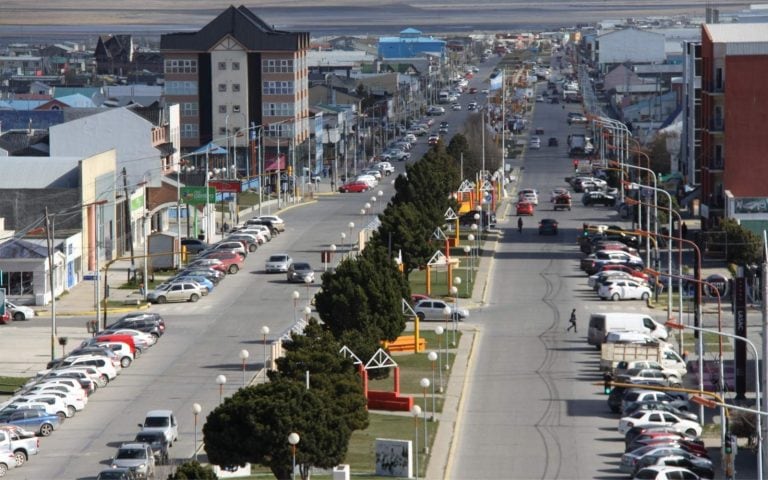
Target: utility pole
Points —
{"points": [[127, 209], [51, 277]]}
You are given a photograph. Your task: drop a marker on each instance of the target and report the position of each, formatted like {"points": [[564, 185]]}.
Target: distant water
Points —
{"points": [[21, 23]]}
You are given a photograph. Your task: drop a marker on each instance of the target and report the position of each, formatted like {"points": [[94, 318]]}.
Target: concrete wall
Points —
{"points": [[631, 45], [98, 176]]}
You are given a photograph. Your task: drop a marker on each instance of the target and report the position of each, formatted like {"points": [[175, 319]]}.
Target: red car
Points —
{"points": [[524, 208], [231, 260], [355, 187], [624, 268]]}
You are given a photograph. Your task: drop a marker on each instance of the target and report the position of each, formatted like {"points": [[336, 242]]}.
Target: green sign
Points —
{"points": [[137, 203], [196, 195]]}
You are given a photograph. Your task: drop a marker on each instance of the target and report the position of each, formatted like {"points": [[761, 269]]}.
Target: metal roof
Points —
{"points": [[737, 32]]}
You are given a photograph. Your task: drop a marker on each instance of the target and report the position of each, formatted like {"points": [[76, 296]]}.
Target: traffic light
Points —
{"points": [[607, 380], [728, 444]]}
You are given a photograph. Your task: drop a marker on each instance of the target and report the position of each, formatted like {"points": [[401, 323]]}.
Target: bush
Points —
{"points": [[193, 470]]}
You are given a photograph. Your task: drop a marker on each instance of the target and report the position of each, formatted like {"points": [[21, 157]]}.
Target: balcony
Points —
{"points": [[716, 126]]}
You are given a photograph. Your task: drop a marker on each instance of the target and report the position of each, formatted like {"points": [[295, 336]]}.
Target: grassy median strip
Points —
{"points": [[9, 385]]}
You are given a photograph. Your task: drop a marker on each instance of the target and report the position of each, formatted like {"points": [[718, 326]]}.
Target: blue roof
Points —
{"points": [[22, 104], [77, 100], [36, 119], [410, 31]]}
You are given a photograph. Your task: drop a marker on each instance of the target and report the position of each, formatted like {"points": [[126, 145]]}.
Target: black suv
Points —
{"points": [[147, 322], [598, 198]]}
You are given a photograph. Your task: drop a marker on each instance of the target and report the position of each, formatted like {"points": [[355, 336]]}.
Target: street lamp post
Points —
{"points": [[307, 312], [467, 249], [432, 356], [416, 412], [243, 358], [343, 239], [455, 293], [424, 382], [471, 241], [758, 429], [351, 226], [333, 251], [381, 201], [362, 217], [439, 333], [454, 315], [264, 333], [196, 409], [367, 207], [220, 381], [447, 315], [295, 295], [373, 206], [293, 439]]}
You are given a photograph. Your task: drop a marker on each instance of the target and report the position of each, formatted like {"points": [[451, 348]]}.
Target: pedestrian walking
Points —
{"points": [[572, 322], [684, 230], [142, 290], [520, 224]]}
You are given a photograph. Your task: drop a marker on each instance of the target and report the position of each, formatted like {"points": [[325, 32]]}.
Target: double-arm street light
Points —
{"points": [[679, 326]]}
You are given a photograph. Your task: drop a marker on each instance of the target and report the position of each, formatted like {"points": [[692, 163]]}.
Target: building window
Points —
{"points": [[235, 65], [181, 88], [280, 130], [278, 88], [17, 283], [222, 87], [181, 66], [236, 108], [189, 109], [274, 65], [222, 130], [278, 109], [222, 109], [236, 87], [190, 130], [222, 65]]}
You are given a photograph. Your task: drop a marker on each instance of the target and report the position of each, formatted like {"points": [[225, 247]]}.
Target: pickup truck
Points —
{"points": [[615, 355], [21, 442]]}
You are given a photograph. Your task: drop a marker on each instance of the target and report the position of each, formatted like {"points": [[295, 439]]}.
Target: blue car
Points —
{"points": [[37, 421], [204, 282]]}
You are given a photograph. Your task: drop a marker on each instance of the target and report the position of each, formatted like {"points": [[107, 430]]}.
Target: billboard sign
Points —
{"points": [[196, 195], [225, 186]]}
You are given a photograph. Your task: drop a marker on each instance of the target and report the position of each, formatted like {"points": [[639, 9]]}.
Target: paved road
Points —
{"points": [[530, 410], [203, 339]]}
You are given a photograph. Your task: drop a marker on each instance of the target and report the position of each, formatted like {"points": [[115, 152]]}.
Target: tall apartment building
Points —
{"points": [[734, 115], [237, 72]]}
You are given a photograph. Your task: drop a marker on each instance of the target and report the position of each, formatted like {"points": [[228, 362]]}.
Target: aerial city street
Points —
{"points": [[233, 245]]}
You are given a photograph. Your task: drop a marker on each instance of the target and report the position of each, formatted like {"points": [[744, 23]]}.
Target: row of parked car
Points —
{"points": [[211, 263], [615, 269], [661, 435], [63, 388]]}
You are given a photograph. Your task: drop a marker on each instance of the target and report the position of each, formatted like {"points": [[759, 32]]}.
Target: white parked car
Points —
{"points": [[369, 180], [277, 222], [659, 418], [624, 289], [386, 168], [56, 404], [142, 340], [534, 143], [19, 312], [432, 309], [373, 172], [175, 292]]}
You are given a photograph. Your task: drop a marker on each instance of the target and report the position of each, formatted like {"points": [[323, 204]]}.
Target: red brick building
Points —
{"points": [[734, 171]]}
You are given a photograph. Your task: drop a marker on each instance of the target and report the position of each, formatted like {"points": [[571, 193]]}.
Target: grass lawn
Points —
{"points": [[710, 342], [439, 280], [8, 385]]}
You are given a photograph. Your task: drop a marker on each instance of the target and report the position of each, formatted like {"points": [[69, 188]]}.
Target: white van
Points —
{"points": [[601, 324]]}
